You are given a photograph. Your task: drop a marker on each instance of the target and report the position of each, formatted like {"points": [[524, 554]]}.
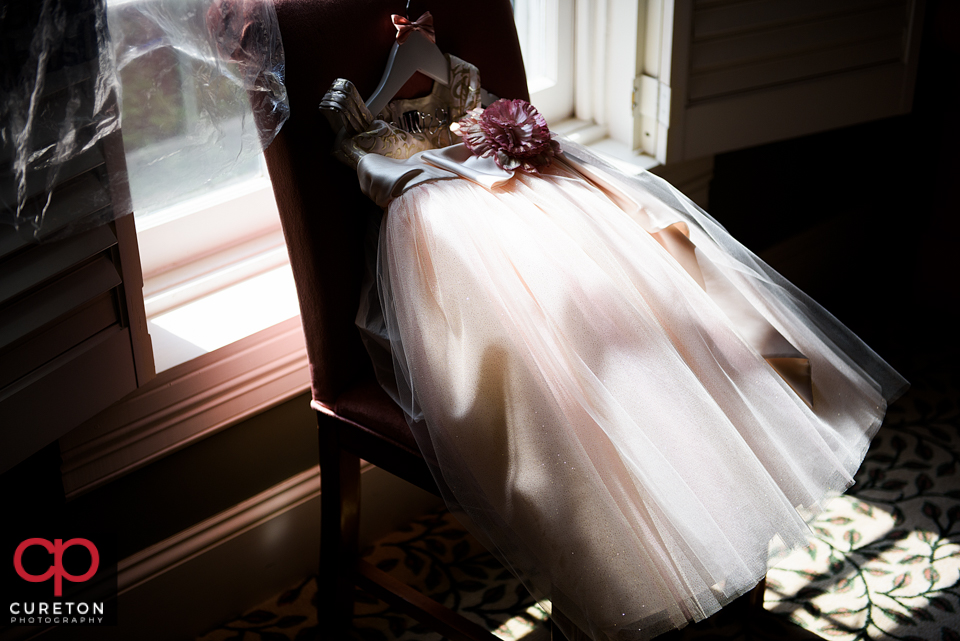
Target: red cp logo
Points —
{"points": [[56, 570]]}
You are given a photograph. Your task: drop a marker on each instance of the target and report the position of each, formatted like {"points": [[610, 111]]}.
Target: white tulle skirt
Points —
{"points": [[586, 359]]}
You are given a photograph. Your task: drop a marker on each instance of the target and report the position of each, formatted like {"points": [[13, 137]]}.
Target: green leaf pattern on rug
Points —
{"points": [[884, 562], [438, 556]]}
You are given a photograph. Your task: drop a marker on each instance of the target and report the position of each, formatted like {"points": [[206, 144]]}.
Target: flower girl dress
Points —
{"points": [[622, 402]]}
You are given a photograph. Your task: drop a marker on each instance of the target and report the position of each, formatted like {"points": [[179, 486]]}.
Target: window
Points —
{"points": [[680, 80], [208, 230], [218, 293], [579, 57], [545, 29], [184, 124]]}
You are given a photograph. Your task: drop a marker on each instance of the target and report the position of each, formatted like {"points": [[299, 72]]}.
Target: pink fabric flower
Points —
{"points": [[513, 132]]}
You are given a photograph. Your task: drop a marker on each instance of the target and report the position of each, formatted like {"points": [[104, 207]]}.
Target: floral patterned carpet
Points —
{"points": [[885, 559], [883, 562]]}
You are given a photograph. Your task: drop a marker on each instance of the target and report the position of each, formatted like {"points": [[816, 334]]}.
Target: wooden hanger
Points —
{"points": [[418, 53]]}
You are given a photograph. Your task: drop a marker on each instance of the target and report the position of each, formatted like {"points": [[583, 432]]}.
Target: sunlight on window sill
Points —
{"points": [[594, 136], [223, 317]]}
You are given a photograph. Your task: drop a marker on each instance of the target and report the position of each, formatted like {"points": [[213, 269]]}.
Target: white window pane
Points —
{"points": [[545, 29], [187, 124]]}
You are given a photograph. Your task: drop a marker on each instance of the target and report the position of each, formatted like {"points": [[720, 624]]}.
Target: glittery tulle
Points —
{"points": [[596, 415], [622, 402]]}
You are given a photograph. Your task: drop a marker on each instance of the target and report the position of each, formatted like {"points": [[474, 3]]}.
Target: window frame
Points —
{"points": [[190, 250], [599, 109], [544, 26]]}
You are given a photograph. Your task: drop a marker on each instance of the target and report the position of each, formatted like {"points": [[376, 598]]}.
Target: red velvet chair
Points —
{"points": [[323, 214]]}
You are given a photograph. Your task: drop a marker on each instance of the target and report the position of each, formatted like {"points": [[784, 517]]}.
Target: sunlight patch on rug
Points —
{"points": [[885, 559]]}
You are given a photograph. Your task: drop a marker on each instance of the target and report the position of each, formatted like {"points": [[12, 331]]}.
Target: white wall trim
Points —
{"points": [[386, 502], [158, 559], [186, 403]]}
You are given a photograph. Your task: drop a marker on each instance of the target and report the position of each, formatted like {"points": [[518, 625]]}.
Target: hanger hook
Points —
{"points": [[408, 9]]}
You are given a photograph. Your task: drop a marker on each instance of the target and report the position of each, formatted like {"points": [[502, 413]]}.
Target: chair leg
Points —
{"points": [[339, 533], [756, 595]]}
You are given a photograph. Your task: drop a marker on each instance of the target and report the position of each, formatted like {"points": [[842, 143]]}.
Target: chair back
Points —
{"points": [[321, 207]]}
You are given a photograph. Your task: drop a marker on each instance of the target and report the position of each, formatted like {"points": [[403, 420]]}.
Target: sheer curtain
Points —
{"points": [[177, 77]]}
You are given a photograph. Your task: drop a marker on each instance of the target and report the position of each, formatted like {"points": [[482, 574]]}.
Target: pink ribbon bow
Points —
{"points": [[423, 24]]}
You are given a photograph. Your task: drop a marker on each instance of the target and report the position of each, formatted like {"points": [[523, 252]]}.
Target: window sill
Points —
{"points": [[222, 317], [616, 153], [692, 177]]}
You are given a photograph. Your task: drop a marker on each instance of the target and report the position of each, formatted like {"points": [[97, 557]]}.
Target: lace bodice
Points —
{"points": [[405, 126], [410, 141]]}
